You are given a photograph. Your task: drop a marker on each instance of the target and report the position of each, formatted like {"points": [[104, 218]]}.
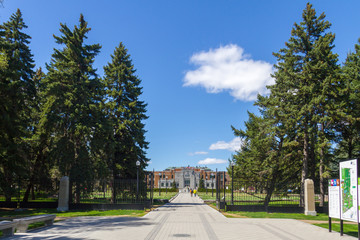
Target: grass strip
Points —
{"points": [[297, 216], [10, 214], [349, 229]]}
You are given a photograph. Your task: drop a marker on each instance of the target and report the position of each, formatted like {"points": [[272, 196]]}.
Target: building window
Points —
{"points": [[162, 184]]}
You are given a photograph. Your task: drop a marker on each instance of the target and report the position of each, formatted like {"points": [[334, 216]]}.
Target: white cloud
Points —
{"points": [[233, 145], [198, 153], [209, 161], [228, 69]]}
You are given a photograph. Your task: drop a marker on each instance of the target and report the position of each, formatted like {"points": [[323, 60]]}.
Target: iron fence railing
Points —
{"points": [[118, 191], [21, 190], [113, 192], [256, 193]]}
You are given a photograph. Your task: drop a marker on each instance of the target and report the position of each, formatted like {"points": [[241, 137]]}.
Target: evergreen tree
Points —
{"points": [[202, 183], [125, 114], [17, 93], [72, 99], [173, 186], [349, 123], [263, 158], [39, 166], [305, 88]]}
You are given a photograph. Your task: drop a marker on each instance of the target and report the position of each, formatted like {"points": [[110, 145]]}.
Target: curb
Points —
{"points": [[171, 199]]}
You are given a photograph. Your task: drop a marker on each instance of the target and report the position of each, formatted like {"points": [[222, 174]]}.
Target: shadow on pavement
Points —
{"points": [[79, 225]]}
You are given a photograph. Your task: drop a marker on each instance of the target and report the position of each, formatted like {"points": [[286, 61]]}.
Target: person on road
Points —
{"points": [[195, 192], [191, 192]]}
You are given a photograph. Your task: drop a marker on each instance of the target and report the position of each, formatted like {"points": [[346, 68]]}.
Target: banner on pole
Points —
{"points": [[334, 198]]}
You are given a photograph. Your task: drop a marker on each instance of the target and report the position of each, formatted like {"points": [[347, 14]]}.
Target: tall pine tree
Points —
{"points": [[305, 88], [349, 124], [72, 99], [125, 114], [17, 93]]}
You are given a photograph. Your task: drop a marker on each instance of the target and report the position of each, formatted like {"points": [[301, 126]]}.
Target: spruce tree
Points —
{"points": [[72, 98], [17, 93], [305, 88], [349, 123], [125, 114], [39, 164]]}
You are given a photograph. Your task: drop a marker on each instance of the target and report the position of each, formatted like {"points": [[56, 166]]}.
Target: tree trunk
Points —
{"points": [[321, 167], [27, 192], [7, 188], [77, 195], [114, 188], [33, 192], [270, 190], [350, 147], [304, 171]]}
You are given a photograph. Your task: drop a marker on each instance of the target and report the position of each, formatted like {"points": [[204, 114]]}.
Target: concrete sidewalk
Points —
{"points": [[185, 218]]}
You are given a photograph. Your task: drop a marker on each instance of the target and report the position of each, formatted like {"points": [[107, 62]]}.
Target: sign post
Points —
{"points": [[349, 193], [349, 190], [334, 200]]}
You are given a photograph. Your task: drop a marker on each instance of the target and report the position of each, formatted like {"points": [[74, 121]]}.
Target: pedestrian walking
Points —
{"points": [[195, 192], [191, 192]]}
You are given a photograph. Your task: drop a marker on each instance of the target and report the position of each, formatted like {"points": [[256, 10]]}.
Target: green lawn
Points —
{"points": [[298, 216], [208, 196], [349, 229], [163, 195], [74, 213]]}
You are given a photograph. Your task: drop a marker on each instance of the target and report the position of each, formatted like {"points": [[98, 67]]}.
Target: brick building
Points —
{"points": [[188, 177]]}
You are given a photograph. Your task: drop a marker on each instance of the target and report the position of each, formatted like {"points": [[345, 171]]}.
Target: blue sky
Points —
{"points": [[201, 62]]}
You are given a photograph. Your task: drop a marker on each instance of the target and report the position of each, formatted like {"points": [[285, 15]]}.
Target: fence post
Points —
{"points": [[63, 202]]}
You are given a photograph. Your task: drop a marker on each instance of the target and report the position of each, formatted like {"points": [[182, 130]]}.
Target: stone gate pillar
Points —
{"points": [[63, 201], [309, 198]]}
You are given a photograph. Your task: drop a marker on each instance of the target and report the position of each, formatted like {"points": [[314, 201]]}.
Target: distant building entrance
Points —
{"points": [[186, 177], [186, 182]]}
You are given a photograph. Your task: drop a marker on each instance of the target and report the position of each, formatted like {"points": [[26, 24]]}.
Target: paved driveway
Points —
{"points": [[185, 218]]}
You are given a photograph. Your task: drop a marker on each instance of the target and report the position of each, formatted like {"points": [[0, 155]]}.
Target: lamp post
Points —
{"points": [[232, 182], [137, 179], [166, 178], [159, 184], [206, 183], [212, 183]]}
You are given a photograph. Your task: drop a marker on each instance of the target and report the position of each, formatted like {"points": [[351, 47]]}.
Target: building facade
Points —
{"points": [[190, 177]]}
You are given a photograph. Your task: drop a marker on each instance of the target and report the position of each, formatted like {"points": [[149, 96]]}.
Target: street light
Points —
{"points": [[137, 179], [166, 183], [212, 183], [159, 183], [232, 182], [206, 183]]}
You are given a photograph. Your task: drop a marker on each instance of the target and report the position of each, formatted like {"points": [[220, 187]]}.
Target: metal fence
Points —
{"points": [[250, 193], [98, 192], [112, 194], [239, 195], [25, 195]]}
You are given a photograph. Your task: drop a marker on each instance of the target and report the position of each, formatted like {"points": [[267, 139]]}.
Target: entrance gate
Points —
{"points": [[115, 194]]}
